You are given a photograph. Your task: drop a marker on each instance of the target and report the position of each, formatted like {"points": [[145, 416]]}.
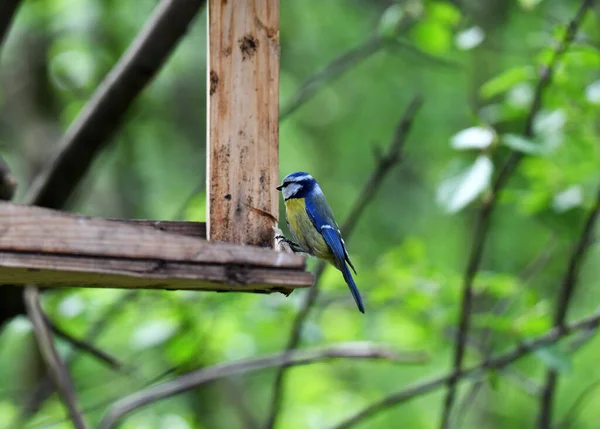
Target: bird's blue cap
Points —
{"points": [[293, 177]]}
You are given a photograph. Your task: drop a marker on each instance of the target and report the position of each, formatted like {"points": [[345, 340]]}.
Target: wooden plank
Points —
{"points": [[243, 115], [34, 229], [52, 248], [191, 229], [95, 271]]}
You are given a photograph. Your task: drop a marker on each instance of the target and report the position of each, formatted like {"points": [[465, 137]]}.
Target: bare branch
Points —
{"points": [[8, 9], [192, 380], [85, 346], [483, 221], [485, 346], [562, 304], [335, 69], [345, 62], [391, 158], [8, 183], [57, 370], [500, 361], [103, 113]]}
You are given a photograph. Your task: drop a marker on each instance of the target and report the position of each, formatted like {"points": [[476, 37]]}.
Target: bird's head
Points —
{"points": [[298, 185]]}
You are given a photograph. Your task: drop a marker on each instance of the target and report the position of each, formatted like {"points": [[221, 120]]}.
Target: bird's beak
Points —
{"points": [[279, 188]]}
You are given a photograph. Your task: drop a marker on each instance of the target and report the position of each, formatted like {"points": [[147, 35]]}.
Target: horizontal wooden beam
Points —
{"points": [[52, 248]]}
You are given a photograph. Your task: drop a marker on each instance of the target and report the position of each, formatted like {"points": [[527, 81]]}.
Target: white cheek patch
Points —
{"points": [[291, 190]]}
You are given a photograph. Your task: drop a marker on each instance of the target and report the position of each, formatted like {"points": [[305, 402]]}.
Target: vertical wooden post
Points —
{"points": [[243, 116]]}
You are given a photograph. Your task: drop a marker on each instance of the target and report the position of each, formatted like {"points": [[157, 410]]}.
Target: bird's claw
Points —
{"points": [[296, 248]]}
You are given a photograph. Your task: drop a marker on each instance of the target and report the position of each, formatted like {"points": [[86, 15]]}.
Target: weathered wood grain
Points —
{"points": [[243, 114], [52, 248], [46, 270], [34, 229], [191, 229]]}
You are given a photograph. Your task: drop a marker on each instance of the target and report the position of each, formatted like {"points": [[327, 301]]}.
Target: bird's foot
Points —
{"points": [[296, 248]]}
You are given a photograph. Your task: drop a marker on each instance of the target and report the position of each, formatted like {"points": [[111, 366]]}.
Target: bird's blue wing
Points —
{"points": [[321, 217]]}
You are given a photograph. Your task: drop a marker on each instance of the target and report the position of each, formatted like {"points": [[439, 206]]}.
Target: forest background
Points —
{"points": [[494, 191]]}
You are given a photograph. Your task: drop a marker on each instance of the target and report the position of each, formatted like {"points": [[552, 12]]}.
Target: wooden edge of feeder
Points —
{"points": [[54, 249]]}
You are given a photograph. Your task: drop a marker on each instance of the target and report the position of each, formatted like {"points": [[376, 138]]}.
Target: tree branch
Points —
{"points": [[562, 305], [85, 346], [103, 113], [500, 361], [192, 380], [333, 70], [345, 62], [385, 163], [56, 368], [485, 346], [44, 386], [483, 221], [8, 9], [8, 183]]}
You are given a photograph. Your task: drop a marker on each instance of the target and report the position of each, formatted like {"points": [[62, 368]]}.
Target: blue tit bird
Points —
{"points": [[311, 222]]}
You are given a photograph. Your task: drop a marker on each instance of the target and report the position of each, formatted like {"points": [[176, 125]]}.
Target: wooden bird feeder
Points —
{"points": [[234, 250]]}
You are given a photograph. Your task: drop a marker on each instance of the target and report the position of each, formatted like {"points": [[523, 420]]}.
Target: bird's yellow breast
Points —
{"points": [[303, 229]]}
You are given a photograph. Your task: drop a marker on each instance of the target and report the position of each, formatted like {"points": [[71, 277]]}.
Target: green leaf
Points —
{"points": [[152, 333], [529, 4], [390, 21], [444, 12], [592, 92], [498, 285], [493, 379], [532, 322], [473, 138], [457, 192], [522, 144], [555, 358], [506, 80], [495, 322], [432, 37], [469, 38], [568, 199]]}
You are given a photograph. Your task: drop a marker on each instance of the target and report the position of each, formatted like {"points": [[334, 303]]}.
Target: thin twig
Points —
{"points": [[333, 70], [44, 386], [85, 346], [102, 115], [562, 305], [401, 45], [500, 361], [485, 345], [342, 64], [8, 183], [468, 400], [57, 369], [483, 221], [385, 163], [192, 380]]}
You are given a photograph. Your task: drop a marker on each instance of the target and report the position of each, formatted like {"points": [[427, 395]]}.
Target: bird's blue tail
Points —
{"points": [[353, 288]]}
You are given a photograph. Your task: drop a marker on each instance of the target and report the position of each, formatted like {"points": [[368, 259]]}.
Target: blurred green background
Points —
{"points": [[475, 63]]}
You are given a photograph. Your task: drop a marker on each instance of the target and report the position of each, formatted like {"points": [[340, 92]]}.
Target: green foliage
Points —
{"points": [[477, 67]]}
